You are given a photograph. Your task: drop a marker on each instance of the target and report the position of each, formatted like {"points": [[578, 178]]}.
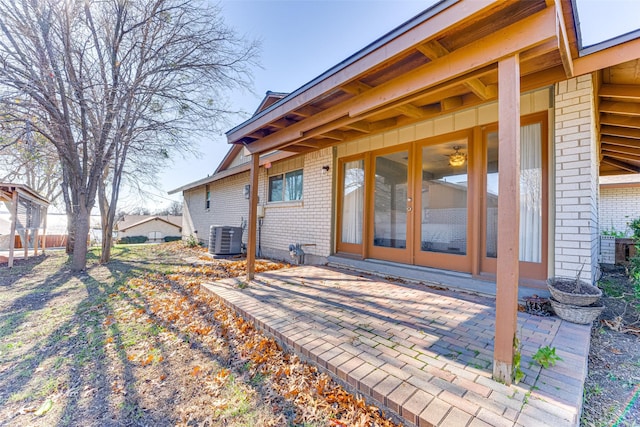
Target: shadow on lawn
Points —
{"points": [[68, 358]]}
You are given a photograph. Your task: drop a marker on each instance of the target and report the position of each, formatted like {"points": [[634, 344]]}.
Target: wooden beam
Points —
{"points": [[434, 50], [619, 144], [479, 56], [333, 134], [253, 216], [620, 132], [630, 92], [306, 111], [282, 123], [412, 111], [327, 127], [563, 42], [620, 108], [294, 148], [482, 91], [629, 153], [456, 14], [451, 103], [355, 87], [621, 165], [609, 57], [358, 88], [508, 266], [360, 126], [537, 51], [339, 115], [379, 125], [612, 120], [525, 34]]}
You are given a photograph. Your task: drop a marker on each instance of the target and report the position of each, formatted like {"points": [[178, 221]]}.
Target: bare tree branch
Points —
{"points": [[117, 88]]}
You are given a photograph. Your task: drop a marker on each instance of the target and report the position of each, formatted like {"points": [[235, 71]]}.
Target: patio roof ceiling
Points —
{"points": [[443, 60], [619, 107]]}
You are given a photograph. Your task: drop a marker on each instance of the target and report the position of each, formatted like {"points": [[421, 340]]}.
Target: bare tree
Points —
{"points": [[104, 81], [174, 208], [29, 159]]}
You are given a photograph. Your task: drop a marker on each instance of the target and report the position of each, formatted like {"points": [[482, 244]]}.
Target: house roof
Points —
{"points": [[224, 168], [130, 221], [443, 60], [224, 171], [7, 189], [270, 99]]}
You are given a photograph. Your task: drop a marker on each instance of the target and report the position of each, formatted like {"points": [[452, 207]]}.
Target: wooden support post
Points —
{"points": [[25, 243], [12, 234], [253, 215], [508, 272], [35, 242], [44, 233]]}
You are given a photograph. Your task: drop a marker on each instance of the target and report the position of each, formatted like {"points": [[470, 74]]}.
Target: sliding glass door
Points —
{"points": [[533, 199], [391, 207], [435, 202], [443, 202], [351, 204]]}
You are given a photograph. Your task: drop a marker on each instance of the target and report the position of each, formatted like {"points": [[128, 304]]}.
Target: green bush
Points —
{"points": [[192, 241], [614, 233], [172, 238], [133, 239]]}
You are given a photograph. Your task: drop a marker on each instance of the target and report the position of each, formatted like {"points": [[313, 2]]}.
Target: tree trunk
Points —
{"points": [[107, 216], [81, 232], [71, 219], [107, 242]]}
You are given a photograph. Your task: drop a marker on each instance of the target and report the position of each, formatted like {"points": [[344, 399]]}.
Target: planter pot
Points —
{"points": [[583, 315], [561, 289]]}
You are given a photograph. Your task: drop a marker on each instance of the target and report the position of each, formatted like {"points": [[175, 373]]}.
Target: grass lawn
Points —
{"points": [[134, 342]]}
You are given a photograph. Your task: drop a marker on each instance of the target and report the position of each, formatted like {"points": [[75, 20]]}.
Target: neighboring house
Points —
{"points": [[619, 203], [28, 219], [154, 227], [394, 154]]}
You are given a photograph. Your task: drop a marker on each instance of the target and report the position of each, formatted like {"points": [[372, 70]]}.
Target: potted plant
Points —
{"points": [[574, 299]]}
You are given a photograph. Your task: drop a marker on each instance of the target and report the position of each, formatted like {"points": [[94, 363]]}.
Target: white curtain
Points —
{"points": [[531, 193], [353, 202]]}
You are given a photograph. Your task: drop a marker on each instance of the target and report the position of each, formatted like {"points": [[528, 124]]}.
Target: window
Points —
{"points": [[286, 187], [207, 198]]}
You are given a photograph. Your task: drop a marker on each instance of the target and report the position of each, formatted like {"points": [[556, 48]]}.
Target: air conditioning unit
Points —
{"points": [[225, 240]]}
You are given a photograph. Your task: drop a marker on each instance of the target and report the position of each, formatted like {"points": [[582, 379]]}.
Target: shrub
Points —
{"points": [[614, 233], [132, 240], [192, 241], [172, 238]]}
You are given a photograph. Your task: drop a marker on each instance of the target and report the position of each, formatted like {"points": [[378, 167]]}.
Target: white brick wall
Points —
{"points": [[608, 249], [307, 221], [576, 185], [228, 206], [618, 206]]}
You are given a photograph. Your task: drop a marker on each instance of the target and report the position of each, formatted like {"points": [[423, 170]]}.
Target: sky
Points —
{"points": [[300, 39]]}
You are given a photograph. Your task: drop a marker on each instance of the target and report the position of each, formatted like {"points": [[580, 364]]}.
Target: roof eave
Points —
{"points": [[411, 23]]}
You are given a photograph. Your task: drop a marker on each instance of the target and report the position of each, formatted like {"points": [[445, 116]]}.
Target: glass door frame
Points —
{"points": [[401, 255], [352, 249], [528, 270], [453, 262]]}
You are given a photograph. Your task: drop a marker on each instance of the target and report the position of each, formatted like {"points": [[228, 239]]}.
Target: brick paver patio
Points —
{"points": [[423, 352]]}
